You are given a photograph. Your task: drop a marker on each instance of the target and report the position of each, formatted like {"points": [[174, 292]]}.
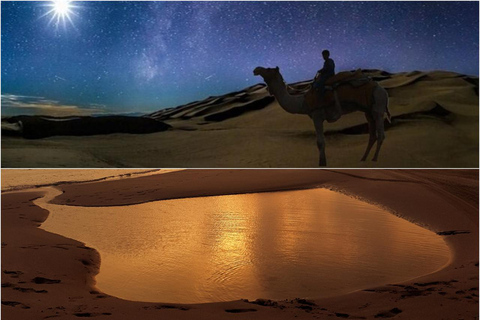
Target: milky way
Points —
{"points": [[144, 56]]}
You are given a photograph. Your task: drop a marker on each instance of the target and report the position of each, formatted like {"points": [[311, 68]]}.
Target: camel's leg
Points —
{"points": [[378, 117], [373, 138], [318, 118], [322, 162]]}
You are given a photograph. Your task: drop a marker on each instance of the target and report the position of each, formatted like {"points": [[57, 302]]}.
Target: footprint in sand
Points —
{"points": [[14, 304], [29, 290], [13, 274], [41, 280], [388, 314], [89, 314], [239, 310]]}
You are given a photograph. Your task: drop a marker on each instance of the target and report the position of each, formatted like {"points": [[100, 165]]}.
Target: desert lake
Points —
{"points": [[277, 245]]}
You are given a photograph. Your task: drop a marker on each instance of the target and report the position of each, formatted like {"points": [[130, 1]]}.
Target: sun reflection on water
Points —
{"points": [[308, 243]]}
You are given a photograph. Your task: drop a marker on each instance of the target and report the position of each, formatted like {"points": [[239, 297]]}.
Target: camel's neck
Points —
{"points": [[279, 90], [291, 104]]}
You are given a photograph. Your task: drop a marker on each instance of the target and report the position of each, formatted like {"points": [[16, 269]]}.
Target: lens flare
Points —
{"points": [[61, 11], [62, 7]]}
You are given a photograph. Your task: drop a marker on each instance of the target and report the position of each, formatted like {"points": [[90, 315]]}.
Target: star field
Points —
{"points": [[144, 56]]}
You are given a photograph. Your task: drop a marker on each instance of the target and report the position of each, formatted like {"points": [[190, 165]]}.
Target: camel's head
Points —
{"points": [[258, 71], [268, 74]]}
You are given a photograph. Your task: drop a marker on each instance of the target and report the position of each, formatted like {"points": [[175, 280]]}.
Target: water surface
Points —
{"points": [[308, 243]]}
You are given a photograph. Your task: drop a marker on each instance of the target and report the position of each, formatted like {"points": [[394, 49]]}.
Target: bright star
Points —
{"points": [[61, 10], [62, 7]]}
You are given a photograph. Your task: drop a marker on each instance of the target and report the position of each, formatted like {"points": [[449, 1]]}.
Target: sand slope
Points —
{"points": [[435, 125], [45, 275]]}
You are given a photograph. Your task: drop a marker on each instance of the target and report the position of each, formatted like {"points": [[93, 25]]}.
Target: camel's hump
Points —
{"points": [[346, 76]]}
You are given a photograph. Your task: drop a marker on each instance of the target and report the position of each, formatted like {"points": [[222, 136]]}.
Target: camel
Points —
{"points": [[296, 104]]}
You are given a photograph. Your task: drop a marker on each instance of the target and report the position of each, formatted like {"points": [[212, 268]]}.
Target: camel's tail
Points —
{"points": [[387, 111], [381, 100]]}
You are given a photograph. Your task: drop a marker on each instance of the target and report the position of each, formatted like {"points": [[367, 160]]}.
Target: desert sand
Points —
{"points": [[45, 275], [434, 125], [20, 179]]}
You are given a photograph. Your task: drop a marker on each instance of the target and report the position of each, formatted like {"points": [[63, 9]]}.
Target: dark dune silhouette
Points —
{"points": [[36, 127]]}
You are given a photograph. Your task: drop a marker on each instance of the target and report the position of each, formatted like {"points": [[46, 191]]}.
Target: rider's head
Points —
{"points": [[325, 54]]}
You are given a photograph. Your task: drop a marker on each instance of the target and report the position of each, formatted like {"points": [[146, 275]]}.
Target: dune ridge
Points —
{"points": [[438, 83]]}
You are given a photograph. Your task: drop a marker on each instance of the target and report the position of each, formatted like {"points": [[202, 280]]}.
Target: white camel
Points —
{"points": [[296, 104]]}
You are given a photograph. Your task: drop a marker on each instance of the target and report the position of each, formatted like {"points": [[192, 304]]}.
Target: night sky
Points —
{"points": [[119, 57]]}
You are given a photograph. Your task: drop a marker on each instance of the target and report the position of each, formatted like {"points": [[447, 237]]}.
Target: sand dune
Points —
{"points": [[36, 127], [422, 88], [434, 124]]}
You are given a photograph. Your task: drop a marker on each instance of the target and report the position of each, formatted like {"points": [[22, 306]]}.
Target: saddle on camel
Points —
{"points": [[341, 92]]}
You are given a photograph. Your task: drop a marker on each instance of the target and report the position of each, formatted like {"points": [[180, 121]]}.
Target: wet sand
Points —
{"points": [[20, 179], [46, 275]]}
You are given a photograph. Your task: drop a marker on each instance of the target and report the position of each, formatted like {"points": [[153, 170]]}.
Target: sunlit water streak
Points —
{"points": [[309, 243]]}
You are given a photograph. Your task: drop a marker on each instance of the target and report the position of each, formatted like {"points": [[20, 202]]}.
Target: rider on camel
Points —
{"points": [[328, 71], [323, 74]]}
